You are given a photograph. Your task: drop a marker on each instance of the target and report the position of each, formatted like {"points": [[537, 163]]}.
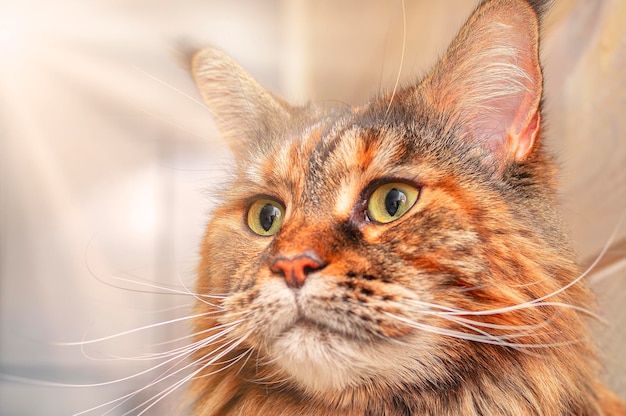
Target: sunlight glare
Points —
{"points": [[143, 211], [17, 33]]}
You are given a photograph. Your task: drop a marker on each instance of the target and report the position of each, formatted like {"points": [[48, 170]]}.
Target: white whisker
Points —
{"points": [[481, 337], [395, 87], [249, 353], [135, 330], [160, 81], [590, 268], [176, 125], [199, 297], [189, 377], [530, 304], [521, 330], [168, 290], [175, 351], [161, 378]]}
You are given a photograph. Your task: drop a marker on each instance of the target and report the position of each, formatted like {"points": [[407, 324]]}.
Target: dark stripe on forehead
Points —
{"points": [[329, 141], [353, 147], [319, 157]]}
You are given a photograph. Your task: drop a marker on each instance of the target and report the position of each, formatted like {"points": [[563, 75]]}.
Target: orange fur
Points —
{"points": [[467, 304]]}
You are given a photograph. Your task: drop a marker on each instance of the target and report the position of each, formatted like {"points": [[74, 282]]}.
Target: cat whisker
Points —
{"points": [[259, 362], [160, 378], [135, 330], [167, 374], [276, 378], [248, 353], [175, 351], [230, 362], [184, 94], [515, 331], [608, 270], [455, 316], [540, 302], [589, 268], [168, 290], [185, 352], [270, 379], [193, 335], [226, 328], [198, 296], [497, 311], [521, 330], [483, 286], [160, 396], [176, 125], [168, 309], [397, 83], [123, 399], [170, 389], [536, 304], [501, 339], [481, 336], [504, 339]]}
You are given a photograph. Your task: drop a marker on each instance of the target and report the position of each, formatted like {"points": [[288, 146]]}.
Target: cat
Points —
{"points": [[405, 257]]}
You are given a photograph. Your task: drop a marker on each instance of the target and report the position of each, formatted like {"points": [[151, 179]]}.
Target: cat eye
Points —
{"points": [[391, 201], [265, 217]]}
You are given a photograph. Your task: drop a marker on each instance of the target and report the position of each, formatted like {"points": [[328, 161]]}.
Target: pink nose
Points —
{"points": [[296, 269]]}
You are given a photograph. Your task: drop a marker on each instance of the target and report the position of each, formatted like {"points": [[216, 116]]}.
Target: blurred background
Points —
{"points": [[107, 161]]}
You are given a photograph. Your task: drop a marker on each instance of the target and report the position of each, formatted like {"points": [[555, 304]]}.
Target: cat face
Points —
{"points": [[411, 239], [367, 279], [377, 294]]}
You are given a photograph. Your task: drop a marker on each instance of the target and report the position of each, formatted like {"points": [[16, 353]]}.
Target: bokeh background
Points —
{"points": [[107, 161]]}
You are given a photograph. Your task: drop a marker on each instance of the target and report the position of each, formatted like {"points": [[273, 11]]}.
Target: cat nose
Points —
{"points": [[296, 269]]}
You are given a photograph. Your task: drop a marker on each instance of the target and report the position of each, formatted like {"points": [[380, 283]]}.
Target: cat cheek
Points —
{"points": [[375, 234], [372, 233]]}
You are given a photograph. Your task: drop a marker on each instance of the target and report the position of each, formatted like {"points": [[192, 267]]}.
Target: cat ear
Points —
{"points": [[247, 115], [491, 79]]}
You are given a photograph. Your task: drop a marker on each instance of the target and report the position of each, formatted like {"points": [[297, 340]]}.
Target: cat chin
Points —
{"points": [[314, 349], [322, 362]]}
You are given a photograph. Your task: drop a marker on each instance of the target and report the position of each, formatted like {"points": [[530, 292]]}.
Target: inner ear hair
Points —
{"points": [[490, 78], [246, 114]]}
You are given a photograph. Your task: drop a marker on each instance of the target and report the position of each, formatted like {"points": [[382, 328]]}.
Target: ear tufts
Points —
{"points": [[247, 115], [541, 7], [490, 79]]}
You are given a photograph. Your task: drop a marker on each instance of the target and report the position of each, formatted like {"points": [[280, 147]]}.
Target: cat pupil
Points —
{"points": [[267, 216], [393, 200]]}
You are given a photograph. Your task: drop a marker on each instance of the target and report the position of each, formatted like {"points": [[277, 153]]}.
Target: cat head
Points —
{"points": [[408, 238]]}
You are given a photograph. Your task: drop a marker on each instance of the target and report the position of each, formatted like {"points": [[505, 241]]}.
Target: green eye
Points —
{"points": [[391, 201], [265, 217]]}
